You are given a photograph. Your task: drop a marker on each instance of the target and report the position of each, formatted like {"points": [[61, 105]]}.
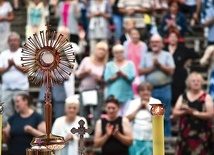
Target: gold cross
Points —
{"points": [[81, 131]]}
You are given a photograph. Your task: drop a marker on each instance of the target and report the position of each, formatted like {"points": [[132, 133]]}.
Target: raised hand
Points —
{"points": [[81, 34]]}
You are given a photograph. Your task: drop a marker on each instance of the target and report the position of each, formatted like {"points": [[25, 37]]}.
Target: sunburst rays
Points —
{"points": [[48, 59]]}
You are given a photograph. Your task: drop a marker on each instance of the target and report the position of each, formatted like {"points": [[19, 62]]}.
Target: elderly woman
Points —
{"points": [[119, 75], [141, 120], [63, 125], [113, 133], [195, 110]]}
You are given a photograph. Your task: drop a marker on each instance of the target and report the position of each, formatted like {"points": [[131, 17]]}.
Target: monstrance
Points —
{"points": [[48, 59]]}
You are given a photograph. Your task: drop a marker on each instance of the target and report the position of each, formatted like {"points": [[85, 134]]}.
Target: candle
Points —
{"points": [[157, 112], [158, 135]]}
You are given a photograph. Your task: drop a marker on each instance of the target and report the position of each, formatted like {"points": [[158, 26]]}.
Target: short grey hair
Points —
{"points": [[117, 47], [14, 34], [156, 37]]}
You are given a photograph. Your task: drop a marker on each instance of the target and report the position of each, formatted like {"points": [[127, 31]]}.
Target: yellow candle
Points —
{"points": [[0, 134], [158, 135]]}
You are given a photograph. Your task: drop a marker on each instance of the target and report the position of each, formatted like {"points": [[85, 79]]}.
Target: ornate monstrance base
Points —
{"points": [[51, 142], [38, 152], [44, 145]]}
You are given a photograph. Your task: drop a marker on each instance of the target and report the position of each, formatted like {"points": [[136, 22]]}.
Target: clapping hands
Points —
{"points": [[120, 73], [11, 62], [3, 18], [98, 13], [130, 11], [112, 130], [170, 22], [87, 70], [155, 62], [188, 110], [143, 104]]}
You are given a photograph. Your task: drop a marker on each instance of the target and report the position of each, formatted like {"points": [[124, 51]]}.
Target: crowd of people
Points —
{"points": [[131, 63]]}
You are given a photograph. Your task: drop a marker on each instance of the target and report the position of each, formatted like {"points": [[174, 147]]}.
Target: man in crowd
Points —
{"points": [[158, 68], [14, 80]]}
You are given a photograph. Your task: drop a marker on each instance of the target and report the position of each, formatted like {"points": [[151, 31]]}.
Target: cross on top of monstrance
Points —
{"points": [[48, 59]]}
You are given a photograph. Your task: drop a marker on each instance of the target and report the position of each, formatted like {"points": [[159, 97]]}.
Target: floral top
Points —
{"points": [[195, 134]]}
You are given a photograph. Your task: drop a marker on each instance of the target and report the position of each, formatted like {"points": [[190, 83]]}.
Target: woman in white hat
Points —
{"points": [[64, 124]]}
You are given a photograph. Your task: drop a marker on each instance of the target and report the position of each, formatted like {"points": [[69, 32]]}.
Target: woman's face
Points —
{"points": [[173, 8], [145, 93], [135, 36], [100, 53], [129, 25], [173, 39], [195, 83], [112, 110], [119, 55], [20, 104], [71, 110]]}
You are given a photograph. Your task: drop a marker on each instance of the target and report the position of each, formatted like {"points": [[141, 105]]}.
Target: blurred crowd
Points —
{"points": [[129, 54]]}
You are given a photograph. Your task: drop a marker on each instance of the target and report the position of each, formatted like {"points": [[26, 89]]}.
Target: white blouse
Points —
{"points": [[142, 123]]}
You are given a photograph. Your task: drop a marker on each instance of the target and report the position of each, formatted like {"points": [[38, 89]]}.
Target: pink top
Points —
{"points": [[65, 13], [134, 54], [89, 82]]}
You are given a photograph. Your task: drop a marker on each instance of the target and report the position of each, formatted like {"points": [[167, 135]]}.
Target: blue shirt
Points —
{"points": [[158, 77], [35, 16], [121, 88]]}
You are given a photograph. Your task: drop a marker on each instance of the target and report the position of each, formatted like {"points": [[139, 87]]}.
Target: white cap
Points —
{"points": [[72, 100]]}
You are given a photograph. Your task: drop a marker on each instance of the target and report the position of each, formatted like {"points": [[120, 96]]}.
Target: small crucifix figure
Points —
{"points": [[81, 131]]}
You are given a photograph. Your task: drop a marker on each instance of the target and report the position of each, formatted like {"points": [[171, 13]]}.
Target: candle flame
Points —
{"points": [[157, 109]]}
